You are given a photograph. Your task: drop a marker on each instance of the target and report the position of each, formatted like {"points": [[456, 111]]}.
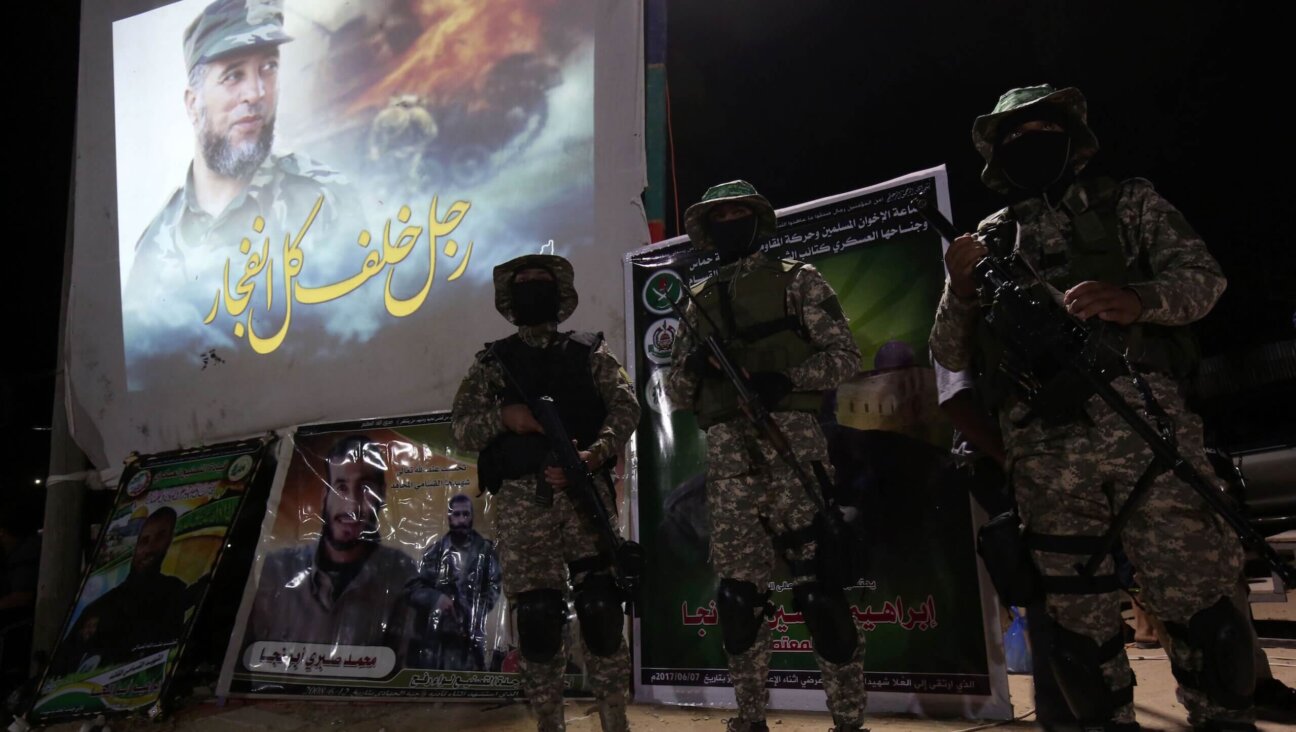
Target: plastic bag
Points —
{"points": [[1017, 652]]}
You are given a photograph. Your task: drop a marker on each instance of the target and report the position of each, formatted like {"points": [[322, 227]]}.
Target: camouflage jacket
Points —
{"points": [[837, 358], [1186, 280], [283, 192], [812, 300], [476, 419], [180, 257]]}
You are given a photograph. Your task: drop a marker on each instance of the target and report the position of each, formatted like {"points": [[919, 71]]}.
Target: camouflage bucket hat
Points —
{"points": [[738, 191], [229, 26], [1016, 103], [559, 267]]}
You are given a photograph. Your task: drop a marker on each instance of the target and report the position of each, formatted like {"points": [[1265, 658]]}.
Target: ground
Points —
{"points": [[1154, 697]]}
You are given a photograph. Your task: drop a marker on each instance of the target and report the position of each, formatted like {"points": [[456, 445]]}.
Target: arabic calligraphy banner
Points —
{"points": [[377, 572], [322, 187], [929, 618], [148, 579]]}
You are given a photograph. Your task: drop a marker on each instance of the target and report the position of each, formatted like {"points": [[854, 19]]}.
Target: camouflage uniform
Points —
{"points": [[1071, 478], [753, 496], [536, 542]]}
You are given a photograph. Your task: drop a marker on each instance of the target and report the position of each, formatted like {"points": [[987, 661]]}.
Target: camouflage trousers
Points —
{"points": [[1070, 480], [535, 544], [752, 496]]}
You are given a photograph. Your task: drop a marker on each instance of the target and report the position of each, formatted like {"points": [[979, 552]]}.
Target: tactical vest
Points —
{"points": [[560, 370], [759, 334], [1095, 253]]}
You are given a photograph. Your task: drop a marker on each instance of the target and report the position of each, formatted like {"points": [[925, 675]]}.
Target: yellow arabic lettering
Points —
{"points": [[236, 297], [436, 229], [293, 262]]}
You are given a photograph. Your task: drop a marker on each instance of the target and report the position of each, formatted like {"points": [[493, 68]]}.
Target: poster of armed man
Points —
{"points": [[147, 580], [377, 572], [931, 628], [307, 185]]}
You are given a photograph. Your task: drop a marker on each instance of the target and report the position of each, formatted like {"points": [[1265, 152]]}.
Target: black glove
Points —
{"points": [[699, 362], [770, 386]]}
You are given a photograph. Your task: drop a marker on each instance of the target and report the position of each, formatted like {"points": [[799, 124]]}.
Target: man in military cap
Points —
{"points": [[457, 586], [231, 53], [542, 539], [1118, 255], [786, 329]]}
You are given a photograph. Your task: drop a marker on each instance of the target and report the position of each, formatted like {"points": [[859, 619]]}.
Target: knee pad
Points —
{"points": [[1076, 661], [541, 615], [598, 607], [829, 618], [742, 610], [1224, 637]]}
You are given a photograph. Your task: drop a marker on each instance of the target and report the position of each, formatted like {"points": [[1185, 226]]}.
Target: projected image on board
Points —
{"points": [[298, 179]]}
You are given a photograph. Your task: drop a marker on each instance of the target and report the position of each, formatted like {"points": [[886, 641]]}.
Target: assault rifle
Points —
{"points": [[1037, 331], [626, 557], [839, 552]]}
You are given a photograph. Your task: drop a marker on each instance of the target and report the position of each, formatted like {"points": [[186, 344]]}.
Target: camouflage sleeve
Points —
{"points": [[1186, 280], [621, 403], [837, 357], [682, 384], [951, 340], [475, 416]]}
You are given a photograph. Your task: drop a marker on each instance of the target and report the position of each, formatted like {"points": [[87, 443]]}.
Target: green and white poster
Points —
{"points": [[928, 615], [147, 580]]}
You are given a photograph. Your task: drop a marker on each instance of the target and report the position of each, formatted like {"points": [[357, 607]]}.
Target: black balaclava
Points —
{"points": [[534, 302], [1038, 159], [735, 238]]}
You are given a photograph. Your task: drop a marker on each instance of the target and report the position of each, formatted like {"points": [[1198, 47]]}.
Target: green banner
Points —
{"points": [[929, 621], [149, 576]]}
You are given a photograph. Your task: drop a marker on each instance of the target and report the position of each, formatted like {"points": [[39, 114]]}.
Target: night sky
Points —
{"points": [[808, 98]]}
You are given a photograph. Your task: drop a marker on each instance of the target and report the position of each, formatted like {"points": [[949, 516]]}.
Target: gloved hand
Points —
{"points": [[770, 386]]}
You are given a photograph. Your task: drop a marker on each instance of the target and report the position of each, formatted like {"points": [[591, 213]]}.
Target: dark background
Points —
{"points": [[808, 98]]}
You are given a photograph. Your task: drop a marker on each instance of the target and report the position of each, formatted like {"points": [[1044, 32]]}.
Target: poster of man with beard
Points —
{"points": [[376, 572], [237, 187], [296, 176], [158, 565], [347, 588], [457, 587]]}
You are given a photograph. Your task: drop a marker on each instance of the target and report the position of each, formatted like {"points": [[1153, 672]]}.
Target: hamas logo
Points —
{"points": [[659, 341], [662, 288], [139, 483]]}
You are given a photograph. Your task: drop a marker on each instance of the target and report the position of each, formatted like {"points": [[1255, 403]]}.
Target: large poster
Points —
{"points": [[377, 572], [146, 582], [930, 622], [315, 185]]}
